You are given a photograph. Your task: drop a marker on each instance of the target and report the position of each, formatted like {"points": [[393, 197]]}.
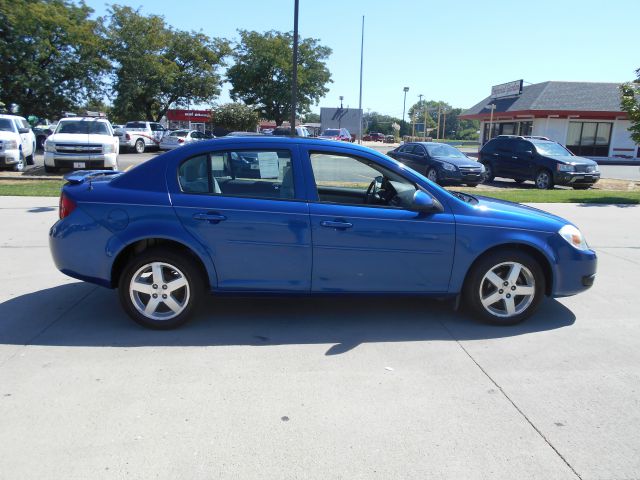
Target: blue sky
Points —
{"points": [[446, 50]]}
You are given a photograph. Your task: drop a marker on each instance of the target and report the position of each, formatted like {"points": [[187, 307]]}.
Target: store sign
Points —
{"points": [[199, 116], [507, 89]]}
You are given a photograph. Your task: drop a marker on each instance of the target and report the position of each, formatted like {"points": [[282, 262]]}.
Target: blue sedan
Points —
{"points": [[265, 215]]}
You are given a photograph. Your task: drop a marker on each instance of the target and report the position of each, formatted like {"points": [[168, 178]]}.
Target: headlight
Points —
{"points": [[448, 166], [107, 148], [49, 147], [562, 167], [573, 236], [10, 145]]}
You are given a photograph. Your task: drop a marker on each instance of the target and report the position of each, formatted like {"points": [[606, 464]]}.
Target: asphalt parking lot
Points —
{"points": [[317, 388]]}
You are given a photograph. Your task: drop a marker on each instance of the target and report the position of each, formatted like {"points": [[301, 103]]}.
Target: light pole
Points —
{"points": [[294, 82], [340, 114], [404, 105], [424, 125]]}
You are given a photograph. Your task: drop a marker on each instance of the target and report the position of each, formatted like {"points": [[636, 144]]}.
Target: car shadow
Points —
{"points": [[93, 317]]}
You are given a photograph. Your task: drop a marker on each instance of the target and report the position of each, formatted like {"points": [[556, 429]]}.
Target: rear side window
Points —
{"points": [[240, 173], [490, 146], [505, 146], [407, 149], [523, 147]]}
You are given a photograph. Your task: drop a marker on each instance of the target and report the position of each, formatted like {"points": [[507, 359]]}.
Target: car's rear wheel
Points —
{"points": [[30, 158], [472, 185], [139, 146], [49, 169], [160, 289], [488, 172], [504, 288], [544, 180], [432, 174]]}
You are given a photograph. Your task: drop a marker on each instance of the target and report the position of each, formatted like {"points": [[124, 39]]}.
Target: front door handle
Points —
{"points": [[209, 217], [340, 225]]}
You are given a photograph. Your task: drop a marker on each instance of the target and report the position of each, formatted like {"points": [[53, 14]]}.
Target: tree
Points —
{"points": [[630, 103], [378, 123], [262, 73], [312, 118], [156, 66], [51, 57], [235, 117]]}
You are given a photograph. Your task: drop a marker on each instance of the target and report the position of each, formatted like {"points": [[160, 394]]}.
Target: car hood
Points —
{"points": [[458, 162], [573, 160], [8, 135], [80, 137], [516, 215]]}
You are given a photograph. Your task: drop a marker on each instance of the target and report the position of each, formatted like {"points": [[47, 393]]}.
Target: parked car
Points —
{"points": [[545, 162], [81, 143], [318, 217], [17, 142], [440, 163], [389, 139], [42, 133], [141, 135], [286, 131], [338, 134], [179, 138]]}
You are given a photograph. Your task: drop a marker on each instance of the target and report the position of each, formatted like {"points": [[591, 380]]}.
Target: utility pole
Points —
{"points": [[420, 100], [444, 126], [294, 83], [404, 105], [438, 130]]}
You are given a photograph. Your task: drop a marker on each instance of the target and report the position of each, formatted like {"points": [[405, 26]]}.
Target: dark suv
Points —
{"points": [[545, 162]]}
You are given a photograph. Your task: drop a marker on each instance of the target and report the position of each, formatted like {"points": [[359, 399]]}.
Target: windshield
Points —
{"points": [[331, 133], [437, 150], [551, 148], [83, 126], [6, 125]]}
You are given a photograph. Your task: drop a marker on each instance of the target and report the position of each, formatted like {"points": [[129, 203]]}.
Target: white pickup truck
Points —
{"points": [[17, 142], [141, 135]]}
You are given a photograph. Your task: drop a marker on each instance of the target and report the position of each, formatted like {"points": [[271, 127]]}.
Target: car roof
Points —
{"points": [[8, 115], [84, 119]]}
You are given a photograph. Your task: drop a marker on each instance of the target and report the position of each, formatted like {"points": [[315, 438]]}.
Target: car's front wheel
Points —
{"points": [[160, 289], [544, 180], [432, 174], [504, 288]]}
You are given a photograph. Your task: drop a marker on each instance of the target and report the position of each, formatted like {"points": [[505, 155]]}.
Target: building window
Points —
{"points": [[507, 128], [590, 139]]}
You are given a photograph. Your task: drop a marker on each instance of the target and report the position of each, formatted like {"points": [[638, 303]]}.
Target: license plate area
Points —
{"points": [[79, 164]]}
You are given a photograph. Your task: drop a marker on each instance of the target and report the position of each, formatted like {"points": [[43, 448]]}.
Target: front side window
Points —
{"points": [[345, 179], [552, 148], [240, 173]]}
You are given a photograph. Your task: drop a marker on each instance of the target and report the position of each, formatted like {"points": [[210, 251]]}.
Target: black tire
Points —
{"points": [[497, 261], [581, 187], [432, 174], [472, 185], [49, 169], [30, 160], [19, 167], [488, 175], [544, 179], [179, 265], [139, 146]]}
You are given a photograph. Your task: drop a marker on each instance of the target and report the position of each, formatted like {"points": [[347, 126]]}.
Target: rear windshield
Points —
{"points": [[180, 133], [331, 133], [136, 125], [83, 126]]}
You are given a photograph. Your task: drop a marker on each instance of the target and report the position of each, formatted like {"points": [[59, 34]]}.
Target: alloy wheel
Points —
{"points": [[159, 291], [543, 180], [507, 289]]}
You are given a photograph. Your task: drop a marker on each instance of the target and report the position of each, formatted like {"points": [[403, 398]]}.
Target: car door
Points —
{"points": [[25, 138], [256, 229], [359, 247], [521, 164], [419, 159], [403, 154], [502, 158]]}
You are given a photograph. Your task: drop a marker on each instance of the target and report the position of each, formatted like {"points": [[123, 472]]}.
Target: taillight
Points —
{"points": [[66, 206], [127, 136], [181, 140]]}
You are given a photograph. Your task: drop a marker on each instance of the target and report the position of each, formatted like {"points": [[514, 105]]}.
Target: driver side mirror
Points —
{"points": [[425, 203], [24, 130]]}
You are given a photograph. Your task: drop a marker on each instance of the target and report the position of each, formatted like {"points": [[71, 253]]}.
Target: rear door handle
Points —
{"points": [[340, 225], [209, 217]]}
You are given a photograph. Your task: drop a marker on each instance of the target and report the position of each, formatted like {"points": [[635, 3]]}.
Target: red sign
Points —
{"points": [[196, 116]]}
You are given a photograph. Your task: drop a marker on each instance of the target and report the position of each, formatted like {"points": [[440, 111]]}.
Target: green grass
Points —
{"points": [[558, 196], [31, 188], [51, 188]]}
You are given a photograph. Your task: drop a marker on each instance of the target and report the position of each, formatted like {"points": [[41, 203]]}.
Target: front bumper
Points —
{"points": [[575, 270], [447, 176], [572, 178], [91, 161], [9, 157]]}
